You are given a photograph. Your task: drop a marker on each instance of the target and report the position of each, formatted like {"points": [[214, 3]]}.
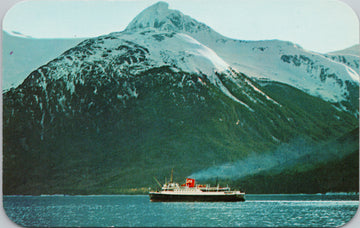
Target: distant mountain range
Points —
{"points": [[169, 92], [353, 50], [23, 54]]}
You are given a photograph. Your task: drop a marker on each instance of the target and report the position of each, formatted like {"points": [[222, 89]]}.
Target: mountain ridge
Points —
{"points": [[353, 50], [259, 58], [115, 110]]}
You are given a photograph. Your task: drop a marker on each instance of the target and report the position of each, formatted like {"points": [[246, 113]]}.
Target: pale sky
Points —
{"points": [[317, 25]]}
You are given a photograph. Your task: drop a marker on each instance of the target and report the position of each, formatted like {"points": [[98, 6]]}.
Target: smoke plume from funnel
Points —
{"points": [[298, 151]]}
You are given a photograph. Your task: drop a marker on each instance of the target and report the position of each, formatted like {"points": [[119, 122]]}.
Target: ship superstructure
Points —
{"points": [[192, 192]]}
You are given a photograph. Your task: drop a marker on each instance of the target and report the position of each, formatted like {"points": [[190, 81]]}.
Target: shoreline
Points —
{"points": [[248, 194]]}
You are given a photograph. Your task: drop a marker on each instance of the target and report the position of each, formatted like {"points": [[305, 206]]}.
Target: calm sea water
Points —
{"points": [[121, 210]]}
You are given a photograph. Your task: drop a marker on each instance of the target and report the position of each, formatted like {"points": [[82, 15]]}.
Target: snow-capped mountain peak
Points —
{"points": [[159, 16]]}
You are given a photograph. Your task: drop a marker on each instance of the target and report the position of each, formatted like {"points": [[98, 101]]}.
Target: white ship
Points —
{"points": [[192, 192]]}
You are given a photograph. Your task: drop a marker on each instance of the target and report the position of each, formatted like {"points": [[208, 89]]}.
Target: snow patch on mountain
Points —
{"points": [[349, 60], [288, 63], [135, 52], [262, 93], [184, 52]]}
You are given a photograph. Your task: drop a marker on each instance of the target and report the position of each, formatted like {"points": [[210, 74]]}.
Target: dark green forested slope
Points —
{"points": [[56, 142], [335, 176]]}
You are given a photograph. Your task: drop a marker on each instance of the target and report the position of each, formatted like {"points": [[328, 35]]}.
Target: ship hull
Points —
{"points": [[160, 197]]}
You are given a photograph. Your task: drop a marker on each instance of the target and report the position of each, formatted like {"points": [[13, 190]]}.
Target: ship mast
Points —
{"points": [[171, 177]]}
